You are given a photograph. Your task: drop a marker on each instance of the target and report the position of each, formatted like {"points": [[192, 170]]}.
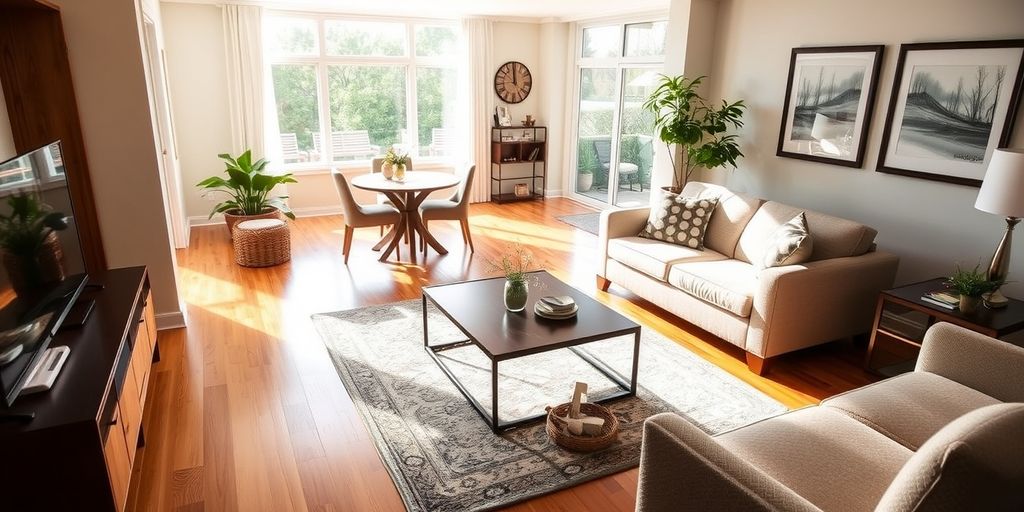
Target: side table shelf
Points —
{"points": [[902, 318], [519, 155]]}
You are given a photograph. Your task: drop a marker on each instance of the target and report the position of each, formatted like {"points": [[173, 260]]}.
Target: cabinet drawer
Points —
{"points": [[119, 467], [131, 414], [142, 362]]}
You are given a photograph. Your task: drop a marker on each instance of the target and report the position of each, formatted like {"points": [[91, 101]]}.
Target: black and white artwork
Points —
{"points": [[828, 103], [952, 105]]}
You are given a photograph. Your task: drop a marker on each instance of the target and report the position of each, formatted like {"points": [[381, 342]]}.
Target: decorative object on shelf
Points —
{"points": [[513, 82], [951, 105], [529, 121], [395, 165], [830, 95], [32, 254], [515, 265], [685, 120], [1001, 194], [248, 188], [503, 115], [971, 285], [522, 190]]}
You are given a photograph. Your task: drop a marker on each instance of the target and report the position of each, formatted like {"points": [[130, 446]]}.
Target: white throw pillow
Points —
{"points": [[789, 244]]}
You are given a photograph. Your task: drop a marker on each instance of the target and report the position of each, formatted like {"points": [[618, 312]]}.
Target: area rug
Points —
{"points": [[441, 454], [588, 222]]}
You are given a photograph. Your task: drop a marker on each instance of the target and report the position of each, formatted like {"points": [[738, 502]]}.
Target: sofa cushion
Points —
{"points": [[728, 284], [680, 220], [910, 408], [833, 237], [790, 244], [973, 463], [832, 460], [653, 257], [730, 217]]}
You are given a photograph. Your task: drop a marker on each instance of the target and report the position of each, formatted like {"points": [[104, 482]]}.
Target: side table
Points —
{"points": [[901, 319]]}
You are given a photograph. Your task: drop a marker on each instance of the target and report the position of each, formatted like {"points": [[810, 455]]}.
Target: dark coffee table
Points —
{"points": [[478, 310]]}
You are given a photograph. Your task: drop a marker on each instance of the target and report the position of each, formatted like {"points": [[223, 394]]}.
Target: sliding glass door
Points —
{"points": [[617, 68]]}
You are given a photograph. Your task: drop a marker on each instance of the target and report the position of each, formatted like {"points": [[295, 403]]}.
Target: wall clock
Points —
{"points": [[512, 82]]}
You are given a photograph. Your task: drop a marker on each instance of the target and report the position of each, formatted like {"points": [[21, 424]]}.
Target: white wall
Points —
{"points": [[931, 225], [6, 138], [105, 50], [556, 72], [197, 76]]}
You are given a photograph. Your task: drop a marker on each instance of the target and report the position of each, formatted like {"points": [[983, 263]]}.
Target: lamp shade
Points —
{"points": [[1002, 190]]}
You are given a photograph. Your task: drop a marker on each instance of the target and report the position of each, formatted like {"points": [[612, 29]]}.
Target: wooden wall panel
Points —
{"points": [[40, 97]]}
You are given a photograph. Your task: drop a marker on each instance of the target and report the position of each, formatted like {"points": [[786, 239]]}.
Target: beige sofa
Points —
{"points": [[766, 313], [948, 436]]}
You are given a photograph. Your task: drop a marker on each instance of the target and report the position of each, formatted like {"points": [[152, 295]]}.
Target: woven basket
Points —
{"points": [[261, 243], [560, 435]]}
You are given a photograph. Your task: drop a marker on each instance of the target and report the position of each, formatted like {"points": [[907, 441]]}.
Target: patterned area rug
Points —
{"points": [[588, 222], [441, 454]]}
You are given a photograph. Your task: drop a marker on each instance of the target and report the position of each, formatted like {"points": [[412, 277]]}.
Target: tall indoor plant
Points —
{"points": [[248, 189], [685, 119], [32, 254]]}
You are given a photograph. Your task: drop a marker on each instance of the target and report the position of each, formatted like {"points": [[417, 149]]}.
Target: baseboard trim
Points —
{"points": [[175, 320]]}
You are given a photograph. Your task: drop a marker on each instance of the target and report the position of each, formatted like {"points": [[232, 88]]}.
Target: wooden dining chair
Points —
{"points": [[361, 216], [454, 208]]}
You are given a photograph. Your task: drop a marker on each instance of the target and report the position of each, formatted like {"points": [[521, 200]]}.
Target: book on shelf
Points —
{"points": [[533, 154]]}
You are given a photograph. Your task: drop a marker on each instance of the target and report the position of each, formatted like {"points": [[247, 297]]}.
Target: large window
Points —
{"points": [[347, 90], [617, 68]]}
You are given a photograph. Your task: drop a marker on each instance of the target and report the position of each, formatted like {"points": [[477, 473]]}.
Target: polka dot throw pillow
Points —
{"points": [[680, 220]]}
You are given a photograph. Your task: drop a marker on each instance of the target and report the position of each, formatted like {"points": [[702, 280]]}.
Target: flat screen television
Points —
{"points": [[42, 268]]}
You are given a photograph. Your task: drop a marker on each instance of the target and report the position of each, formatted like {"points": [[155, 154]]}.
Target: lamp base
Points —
{"points": [[995, 300]]}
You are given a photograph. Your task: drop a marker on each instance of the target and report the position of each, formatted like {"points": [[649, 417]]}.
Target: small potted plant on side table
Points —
{"points": [[971, 285]]}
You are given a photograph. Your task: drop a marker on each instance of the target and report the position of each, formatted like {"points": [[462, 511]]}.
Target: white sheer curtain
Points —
{"points": [[250, 98], [477, 50]]}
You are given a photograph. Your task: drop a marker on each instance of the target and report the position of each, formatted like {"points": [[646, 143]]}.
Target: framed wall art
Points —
{"points": [[952, 105], [830, 94]]}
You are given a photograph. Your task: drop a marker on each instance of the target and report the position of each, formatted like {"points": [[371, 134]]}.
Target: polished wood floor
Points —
{"points": [[247, 413]]}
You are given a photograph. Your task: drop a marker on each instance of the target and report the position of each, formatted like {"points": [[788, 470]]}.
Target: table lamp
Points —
{"points": [[1002, 193]]}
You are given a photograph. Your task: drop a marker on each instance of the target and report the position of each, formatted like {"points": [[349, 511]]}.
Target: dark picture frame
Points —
{"points": [[948, 132], [842, 74]]}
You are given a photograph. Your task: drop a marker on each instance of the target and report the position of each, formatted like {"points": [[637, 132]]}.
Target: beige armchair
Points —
{"points": [[948, 436], [361, 216], [454, 208]]}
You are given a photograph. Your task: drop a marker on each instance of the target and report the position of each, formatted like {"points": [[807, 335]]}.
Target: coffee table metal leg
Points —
{"points": [[494, 395], [636, 362], [426, 339]]}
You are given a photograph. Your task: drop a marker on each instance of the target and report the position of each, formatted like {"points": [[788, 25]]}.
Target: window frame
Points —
{"points": [[620, 64], [323, 61]]}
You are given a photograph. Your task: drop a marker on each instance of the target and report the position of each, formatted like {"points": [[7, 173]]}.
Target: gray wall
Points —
{"points": [[931, 225]]}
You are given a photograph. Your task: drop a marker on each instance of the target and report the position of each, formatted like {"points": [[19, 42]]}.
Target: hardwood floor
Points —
{"points": [[247, 411]]}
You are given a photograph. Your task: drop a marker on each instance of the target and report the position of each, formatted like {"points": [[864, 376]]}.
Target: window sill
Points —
{"points": [[311, 169]]}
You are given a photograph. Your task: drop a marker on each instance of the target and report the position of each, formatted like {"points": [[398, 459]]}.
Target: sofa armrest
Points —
{"points": [[682, 468], [797, 306], [617, 224], [977, 361]]}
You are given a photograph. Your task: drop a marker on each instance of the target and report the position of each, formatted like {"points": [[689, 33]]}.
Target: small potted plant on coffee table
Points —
{"points": [[971, 285], [248, 188], [515, 265]]}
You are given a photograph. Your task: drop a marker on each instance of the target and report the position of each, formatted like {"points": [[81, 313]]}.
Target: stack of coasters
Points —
{"points": [[556, 308]]}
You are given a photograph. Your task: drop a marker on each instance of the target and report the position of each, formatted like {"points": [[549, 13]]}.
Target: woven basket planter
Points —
{"points": [[261, 242], [560, 435], [230, 219]]}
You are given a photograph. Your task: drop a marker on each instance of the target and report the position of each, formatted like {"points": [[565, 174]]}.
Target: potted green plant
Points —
{"points": [[248, 188], [515, 265], [686, 120], [971, 285], [32, 254], [394, 165], [585, 165]]}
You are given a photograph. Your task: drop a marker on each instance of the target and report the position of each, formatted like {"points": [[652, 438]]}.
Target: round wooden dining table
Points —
{"points": [[407, 196]]}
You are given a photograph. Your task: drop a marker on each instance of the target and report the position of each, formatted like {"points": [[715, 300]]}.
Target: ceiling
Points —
{"points": [[562, 10]]}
